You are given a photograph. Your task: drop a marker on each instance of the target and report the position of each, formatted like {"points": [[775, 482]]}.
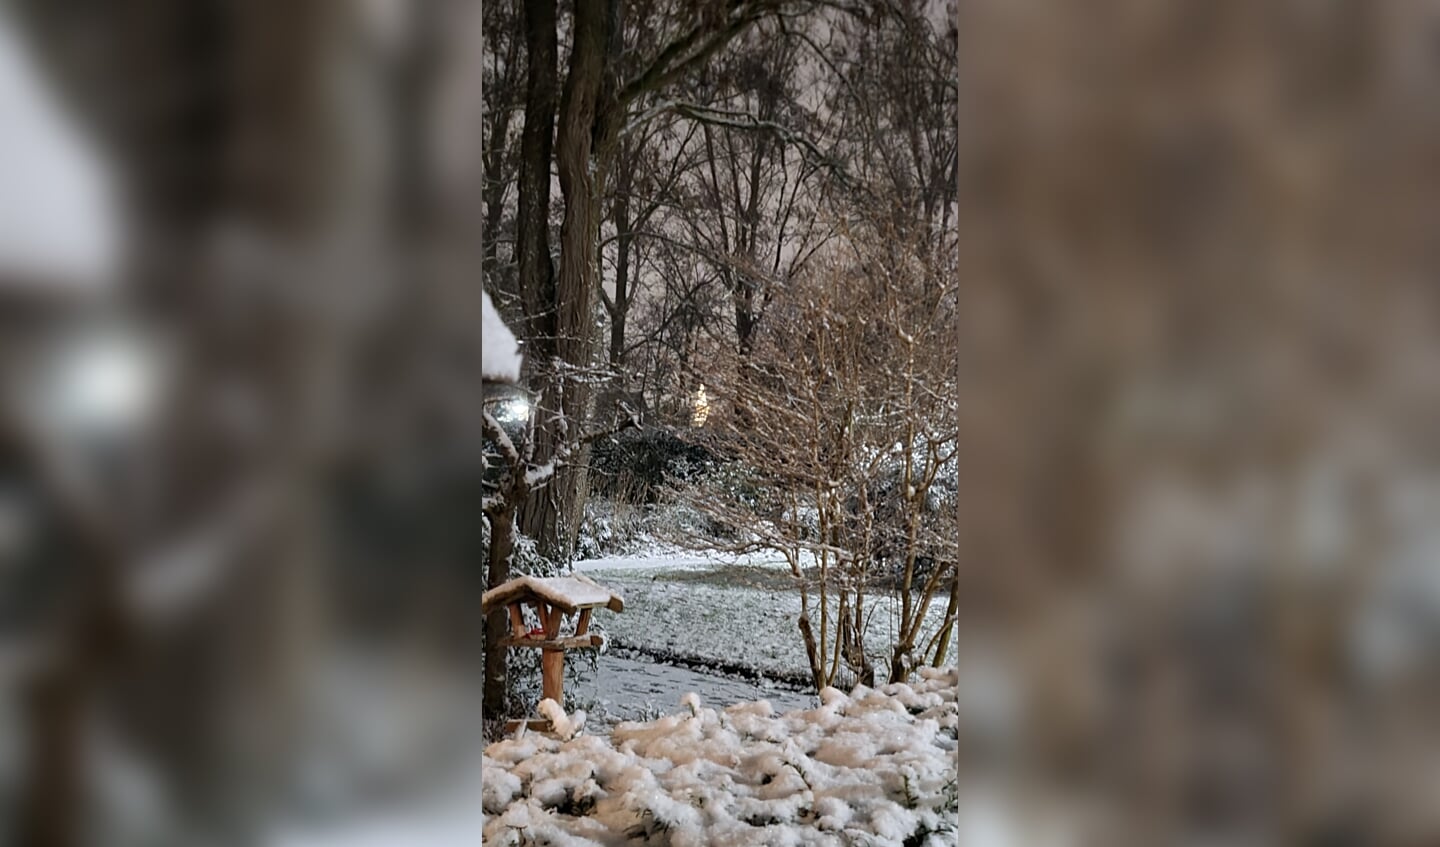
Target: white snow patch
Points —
{"points": [[499, 351], [659, 558], [540, 473], [562, 725], [58, 223]]}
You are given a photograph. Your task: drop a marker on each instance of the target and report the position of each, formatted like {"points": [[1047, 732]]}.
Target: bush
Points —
{"points": [[610, 528], [632, 466]]}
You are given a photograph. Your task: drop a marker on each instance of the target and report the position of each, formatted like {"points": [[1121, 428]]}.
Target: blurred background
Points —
{"points": [[242, 464], [240, 467], [1199, 409]]}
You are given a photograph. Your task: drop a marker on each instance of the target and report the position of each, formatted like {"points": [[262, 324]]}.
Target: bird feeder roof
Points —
{"points": [[566, 593]]}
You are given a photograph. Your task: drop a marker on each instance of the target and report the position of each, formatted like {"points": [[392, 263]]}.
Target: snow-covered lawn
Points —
{"points": [[729, 626], [877, 766], [658, 557], [626, 689]]}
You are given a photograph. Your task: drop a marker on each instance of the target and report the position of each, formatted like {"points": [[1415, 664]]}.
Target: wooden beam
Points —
{"points": [[582, 626], [517, 621], [534, 725], [552, 622], [574, 643]]}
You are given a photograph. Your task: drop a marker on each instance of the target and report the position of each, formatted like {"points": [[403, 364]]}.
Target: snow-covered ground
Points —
{"points": [[767, 763], [877, 766], [656, 557], [451, 818], [727, 626], [633, 689]]}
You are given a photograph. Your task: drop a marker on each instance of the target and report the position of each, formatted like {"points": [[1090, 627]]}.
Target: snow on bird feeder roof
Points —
{"points": [[566, 593]]}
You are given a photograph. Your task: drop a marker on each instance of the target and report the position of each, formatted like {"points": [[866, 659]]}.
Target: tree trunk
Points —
{"points": [[812, 651], [552, 514], [532, 237], [952, 608], [623, 239], [502, 545], [50, 808], [493, 192], [52, 805]]}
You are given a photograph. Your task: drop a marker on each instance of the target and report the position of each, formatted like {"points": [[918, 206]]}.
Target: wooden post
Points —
{"points": [[552, 674], [552, 662]]}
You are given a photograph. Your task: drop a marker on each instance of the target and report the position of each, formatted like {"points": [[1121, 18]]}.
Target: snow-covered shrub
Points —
{"points": [[860, 770], [611, 527], [632, 465], [669, 519], [525, 559], [739, 483], [742, 482], [888, 512]]}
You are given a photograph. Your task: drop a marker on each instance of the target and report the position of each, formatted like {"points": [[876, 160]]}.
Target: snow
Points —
{"points": [[565, 592], [729, 625], [653, 559], [560, 723], [629, 689], [499, 351], [542, 473], [441, 822], [394, 761], [877, 766], [57, 220]]}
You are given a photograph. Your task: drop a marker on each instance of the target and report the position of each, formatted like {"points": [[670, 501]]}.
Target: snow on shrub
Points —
{"points": [[875, 767], [561, 725]]}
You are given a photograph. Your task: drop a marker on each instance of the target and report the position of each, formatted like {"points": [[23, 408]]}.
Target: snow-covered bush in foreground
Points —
{"points": [[876, 767]]}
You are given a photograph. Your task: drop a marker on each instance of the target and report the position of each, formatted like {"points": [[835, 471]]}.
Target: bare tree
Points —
{"points": [[838, 423], [597, 101]]}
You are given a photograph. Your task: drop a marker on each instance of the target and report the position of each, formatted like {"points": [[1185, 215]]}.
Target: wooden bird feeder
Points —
{"points": [[552, 598]]}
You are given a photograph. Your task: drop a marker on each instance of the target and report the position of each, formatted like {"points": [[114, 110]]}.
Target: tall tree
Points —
{"points": [[597, 102], [505, 98]]}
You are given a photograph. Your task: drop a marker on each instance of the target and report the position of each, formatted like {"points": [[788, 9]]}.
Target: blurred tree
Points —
{"points": [[279, 176]]}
